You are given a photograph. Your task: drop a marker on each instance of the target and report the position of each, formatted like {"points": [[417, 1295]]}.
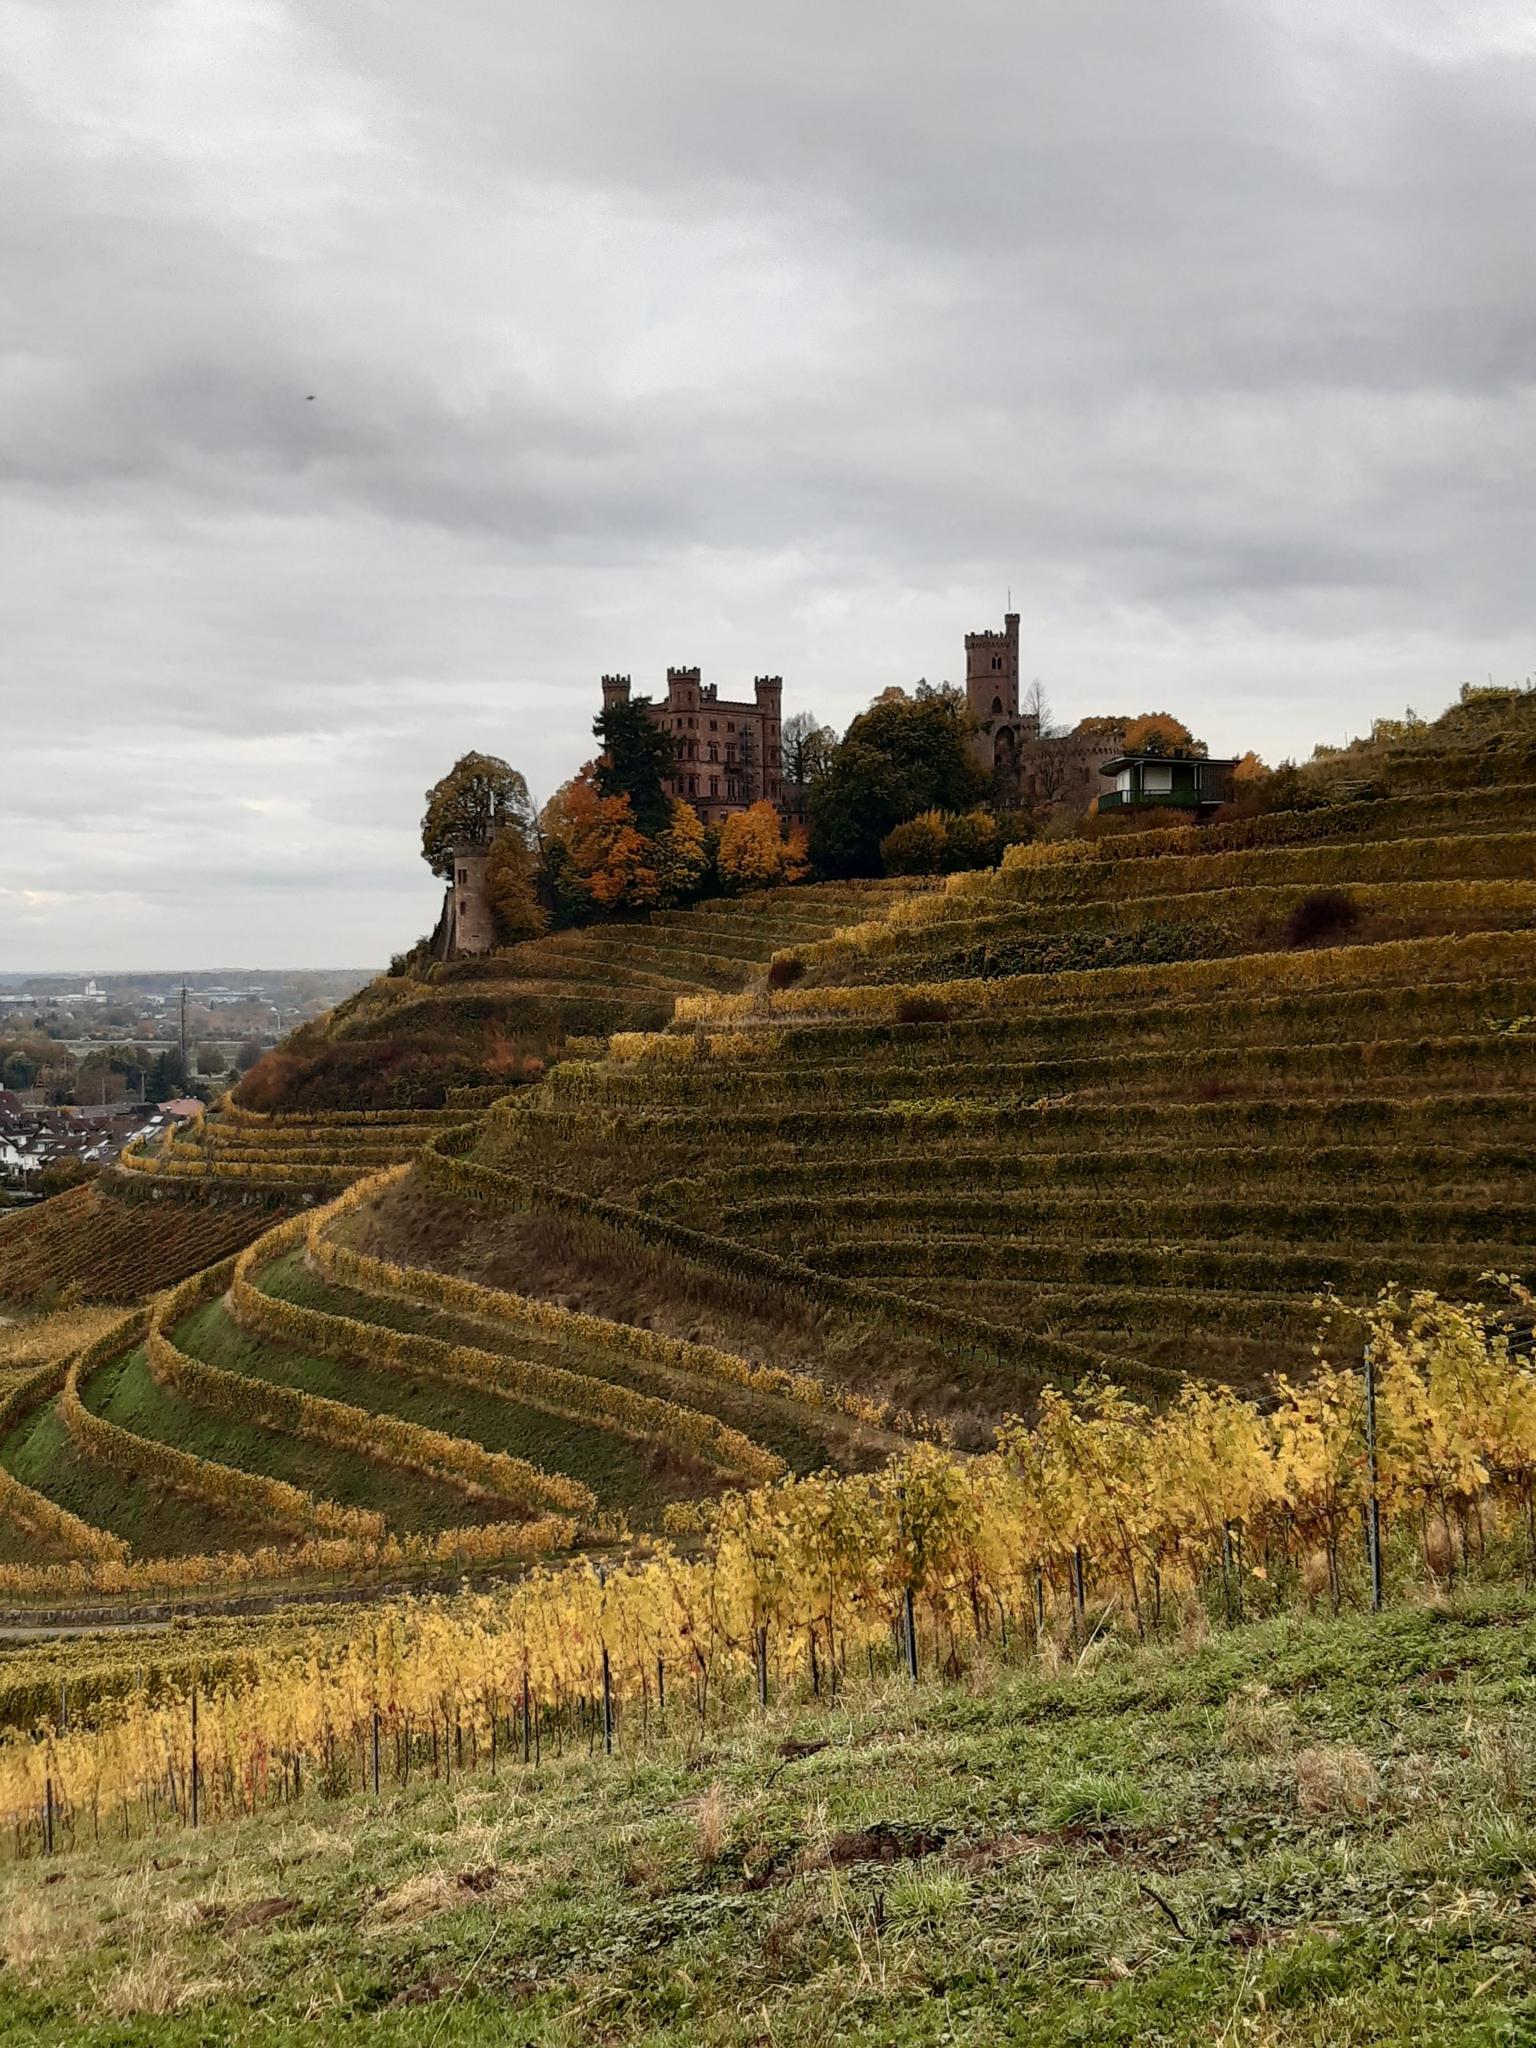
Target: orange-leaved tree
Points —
{"points": [[596, 856], [1157, 732], [755, 853]]}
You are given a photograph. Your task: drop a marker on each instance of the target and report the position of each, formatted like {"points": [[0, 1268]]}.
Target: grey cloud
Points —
{"points": [[781, 337]]}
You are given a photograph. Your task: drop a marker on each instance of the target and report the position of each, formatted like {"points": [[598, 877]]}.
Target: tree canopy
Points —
{"points": [[902, 756], [479, 797], [1157, 732], [637, 756], [806, 748], [754, 852], [511, 889]]}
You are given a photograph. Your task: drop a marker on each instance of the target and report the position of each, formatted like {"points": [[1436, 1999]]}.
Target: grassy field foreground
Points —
{"points": [[1311, 1831]]}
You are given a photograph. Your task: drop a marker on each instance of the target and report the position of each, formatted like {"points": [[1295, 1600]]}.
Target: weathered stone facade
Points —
{"points": [[1027, 767], [468, 924], [728, 752], [992, 697]]}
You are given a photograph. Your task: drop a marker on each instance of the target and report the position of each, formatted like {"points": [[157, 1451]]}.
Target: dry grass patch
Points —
{"points": [[1336, 1779], [154, 1986], [1254, 1723], [711, 1818]]}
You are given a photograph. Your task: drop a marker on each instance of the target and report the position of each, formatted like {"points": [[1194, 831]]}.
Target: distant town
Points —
{"points": [[90, 1061]]}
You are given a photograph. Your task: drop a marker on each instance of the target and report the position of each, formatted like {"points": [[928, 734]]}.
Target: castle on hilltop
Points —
{"points": [[1027, 767], [728, 755]]}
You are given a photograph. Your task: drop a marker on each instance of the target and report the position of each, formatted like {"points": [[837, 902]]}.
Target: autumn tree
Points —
{"points": [[754, 852], [511, 889], [682, 854], [1157, 732], [477, 799], [936, 843], [596, 858]]}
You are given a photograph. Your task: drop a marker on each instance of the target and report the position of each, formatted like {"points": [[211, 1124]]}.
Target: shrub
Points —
{"points": [[785, 971], [1321, 915], [921, 1009]]}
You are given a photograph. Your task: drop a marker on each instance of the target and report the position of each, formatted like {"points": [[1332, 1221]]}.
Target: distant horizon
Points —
{"points": [[128, 973]]}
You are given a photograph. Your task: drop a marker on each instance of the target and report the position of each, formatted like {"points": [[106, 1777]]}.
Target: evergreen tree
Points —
{"points": [[636, 757]]}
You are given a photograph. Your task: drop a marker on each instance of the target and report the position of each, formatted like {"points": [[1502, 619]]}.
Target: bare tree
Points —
{"points": [[1035, 708], [806, 748]]}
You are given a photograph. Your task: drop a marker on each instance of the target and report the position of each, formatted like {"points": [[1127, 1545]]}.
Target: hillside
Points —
{"points": [[1243, 1836], [1090, 1737], [1128, 1104], [1141, 1099], [409, 1039]]}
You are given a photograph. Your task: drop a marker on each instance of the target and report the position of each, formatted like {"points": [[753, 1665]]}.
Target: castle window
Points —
{"points": [[730, 725], [997, 661], [997, 706], [463, 874], [714, 750], [714, 785], [693, 785], [714, 725]]}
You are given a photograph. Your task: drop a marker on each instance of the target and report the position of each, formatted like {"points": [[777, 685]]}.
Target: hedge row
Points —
{"points": [[1160, 1218], [1468, 857], [270, 1173], [269, 1501], [752, 1267], [1172, 1266], [1500, 1058], [657, 1138], [326, 1119], [292, 1566], [1241, 911], [467, 1297], [1155, 1311], [1436, 1006], [577, 1397], [1378, 818], [383, 1439], [1459, 957], [1450, 1168]]}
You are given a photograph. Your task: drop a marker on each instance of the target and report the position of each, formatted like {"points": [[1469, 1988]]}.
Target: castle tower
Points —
{"points": [[769, 694], [992, 695], [615, 691], [992, 672], [472, 927], [683, 689]]}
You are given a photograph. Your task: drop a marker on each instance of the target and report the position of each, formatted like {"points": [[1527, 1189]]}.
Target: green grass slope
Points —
{"points": [[1311, 1832]]}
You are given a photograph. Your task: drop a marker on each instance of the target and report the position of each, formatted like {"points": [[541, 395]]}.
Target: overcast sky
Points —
{"points": [[774, 338]]}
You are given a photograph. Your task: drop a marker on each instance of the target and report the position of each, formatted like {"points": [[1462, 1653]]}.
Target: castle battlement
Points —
{"points": [[726, 751]]}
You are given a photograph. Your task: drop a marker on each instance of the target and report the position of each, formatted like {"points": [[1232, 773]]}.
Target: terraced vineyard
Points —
{"points": [[286, 1156], [304, 1408], [1131, 1104], [1161, 1161], [604, 978], [89, 1245]]}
